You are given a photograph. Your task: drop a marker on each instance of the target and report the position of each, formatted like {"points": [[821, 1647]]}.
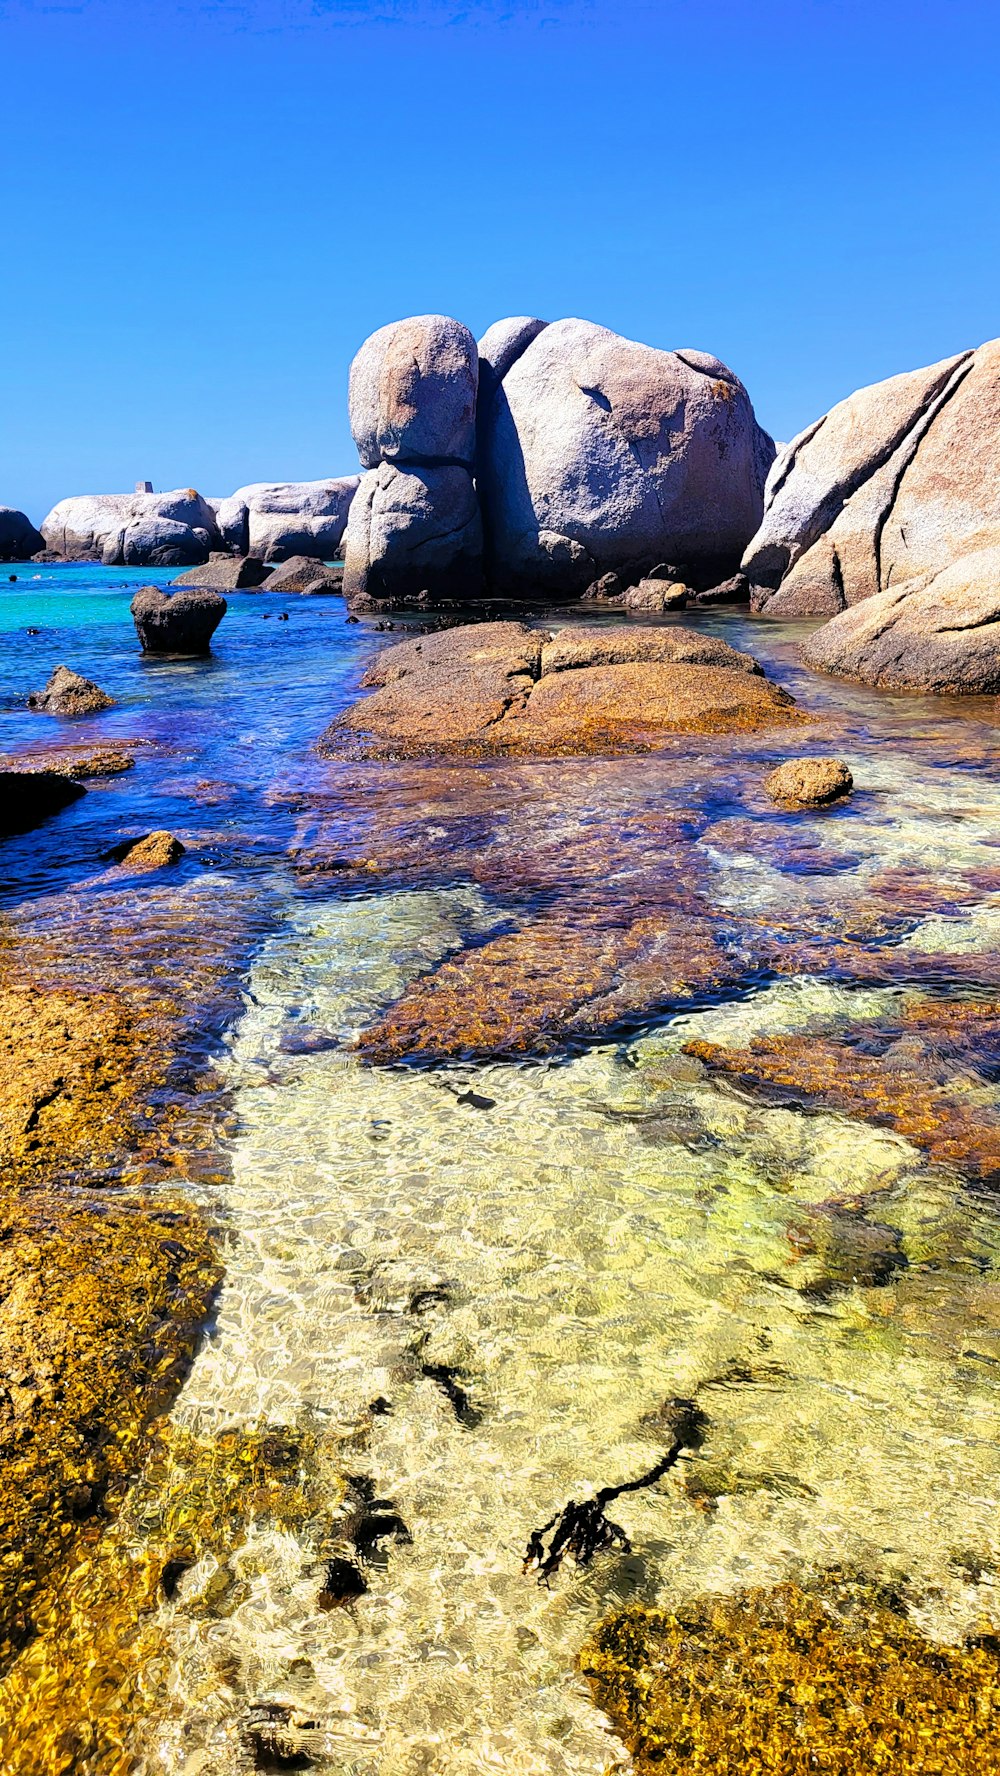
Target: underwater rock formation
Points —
{"points": [[503, 688], [834, 1678]]}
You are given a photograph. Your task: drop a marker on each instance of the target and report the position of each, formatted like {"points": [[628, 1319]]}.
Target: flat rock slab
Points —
{"points": [[501, 689], [227, 573], [303, 573]]}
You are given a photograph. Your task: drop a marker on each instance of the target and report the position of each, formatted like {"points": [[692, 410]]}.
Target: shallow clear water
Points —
{"points": [[587, 1238]]}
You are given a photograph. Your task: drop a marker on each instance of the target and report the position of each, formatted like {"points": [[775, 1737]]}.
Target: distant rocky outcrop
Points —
{"points": [[68, 693], [133, 530], [504, 689], [302, 573], [278, 519], [19, 540], [179, 623], [414, 529]]}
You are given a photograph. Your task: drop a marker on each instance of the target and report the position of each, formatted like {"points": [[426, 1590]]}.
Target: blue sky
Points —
{"points": [[207, 207]]}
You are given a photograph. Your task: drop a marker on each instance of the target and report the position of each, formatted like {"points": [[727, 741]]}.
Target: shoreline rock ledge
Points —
{"points": [[506, 690]]}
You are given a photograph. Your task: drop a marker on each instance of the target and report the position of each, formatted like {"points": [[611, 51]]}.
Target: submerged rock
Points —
{"points": [[835, 1678], [943, 638], [29, 797], [809, 782], [497, 688], [181, 623], [19, 540], [226, 573], [152, 852], [67, 693]]}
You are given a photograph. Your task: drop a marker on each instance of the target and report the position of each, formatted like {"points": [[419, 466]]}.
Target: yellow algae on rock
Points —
{"points": [[789, 1682]]}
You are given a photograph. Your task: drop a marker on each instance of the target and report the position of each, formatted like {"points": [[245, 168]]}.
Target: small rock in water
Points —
{"points": [[12, 578], [809, 782], [184, 623], [342, 1583], [29, 797], [32, 632], [154, 851], [67, 693]]}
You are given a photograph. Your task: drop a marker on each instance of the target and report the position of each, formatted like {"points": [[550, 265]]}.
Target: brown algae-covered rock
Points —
{"points": [[67, 693], [152, 852], [809, 782], [503, 688], [787, 1682], [656, 596]]}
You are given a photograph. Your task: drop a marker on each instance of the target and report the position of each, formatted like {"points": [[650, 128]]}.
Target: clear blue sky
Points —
{"points": [[205, 208]]}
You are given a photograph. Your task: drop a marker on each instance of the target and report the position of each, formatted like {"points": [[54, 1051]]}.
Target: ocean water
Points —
{"points": [[458, 1296]]}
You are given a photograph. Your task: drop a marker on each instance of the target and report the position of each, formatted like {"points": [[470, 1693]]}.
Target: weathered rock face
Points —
{"points": [[501, 346], [502, 688], [656, 596], [19, 539], [67, 693], [134, 529], [228, 573], [182, 623], [809, 782], [279, 519], [598, 454], [414, 526], [412, 393], [303, 573], [884, 492], [29, 797], [152, 852], [944, 638], [414, 534]]}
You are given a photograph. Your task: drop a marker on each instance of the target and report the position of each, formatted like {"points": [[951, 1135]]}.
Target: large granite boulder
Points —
{"points": [[228, 573], [177, 623], [278, 519], [504, 689], [943, 638], [412, 393], [19, 539], [414, 530], [601, 455], [501, 346], [414, 535], [29, 797], [133, 529], [69, 693], [884, 492]]}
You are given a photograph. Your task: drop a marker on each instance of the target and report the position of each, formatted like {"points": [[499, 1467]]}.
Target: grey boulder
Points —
{"points": [[119, 529], [68, 693], [302, 573], [278, 519], [179, 623], [412, 393], [413, 532], [944, 638], [885, 491], [601, 455], [19, 540], [501, 346], [227, 573]]}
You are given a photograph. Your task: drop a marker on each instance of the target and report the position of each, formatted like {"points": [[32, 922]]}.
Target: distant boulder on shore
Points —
{"points": [[278, 519], [133, 530], [19, 540]]}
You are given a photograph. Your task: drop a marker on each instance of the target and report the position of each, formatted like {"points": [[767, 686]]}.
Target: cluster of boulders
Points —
{"points": [[271, 521], [884, 516], [542, 460]]}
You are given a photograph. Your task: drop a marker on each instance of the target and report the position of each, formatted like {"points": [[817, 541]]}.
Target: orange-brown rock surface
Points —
{"points": [[504, 689]]}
